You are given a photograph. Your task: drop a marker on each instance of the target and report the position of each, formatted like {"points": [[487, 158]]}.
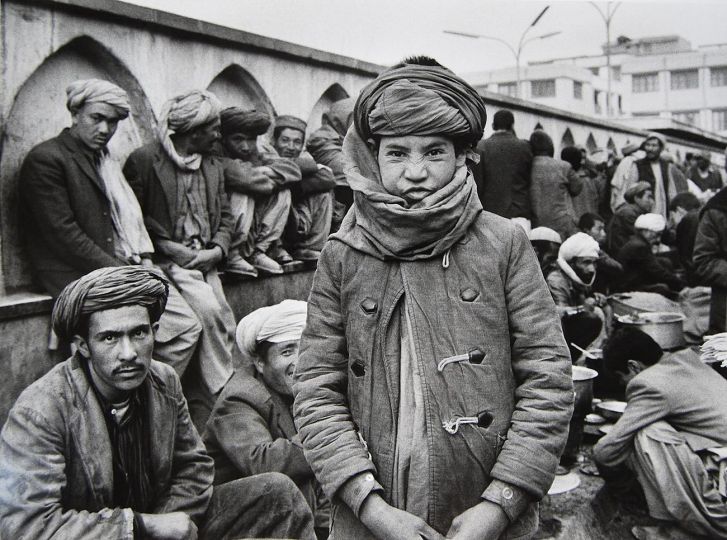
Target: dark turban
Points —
{"points": [[238, 120], [291, 122], [420, 100], [572, 155], [109, 288]]}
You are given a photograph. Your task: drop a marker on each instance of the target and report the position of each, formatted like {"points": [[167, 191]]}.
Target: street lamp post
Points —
{"points": [[607, 16], [521, 44]]}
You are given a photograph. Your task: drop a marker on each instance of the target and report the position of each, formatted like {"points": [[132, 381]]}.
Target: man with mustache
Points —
{"points": [[102, 446]]}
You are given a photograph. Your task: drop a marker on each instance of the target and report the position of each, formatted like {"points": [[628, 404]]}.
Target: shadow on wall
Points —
{"points": [[39, 113], [334, 93]]}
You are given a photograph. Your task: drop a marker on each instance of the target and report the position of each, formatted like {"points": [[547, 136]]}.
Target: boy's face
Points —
{"points": [[645, 201], [277, 366], [95, 123], [289, 143], [413, 166]]}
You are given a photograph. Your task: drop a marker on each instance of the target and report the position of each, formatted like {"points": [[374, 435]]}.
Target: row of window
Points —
{"points": [[719, 118], [680, 80]]}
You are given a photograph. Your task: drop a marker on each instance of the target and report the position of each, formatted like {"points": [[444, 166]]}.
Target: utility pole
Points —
{"points": [[607, 16]]}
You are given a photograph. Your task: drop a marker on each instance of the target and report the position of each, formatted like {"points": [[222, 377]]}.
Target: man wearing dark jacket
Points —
{"points": [[503, 174], [643, 271], [81, 215], [710, 257]]}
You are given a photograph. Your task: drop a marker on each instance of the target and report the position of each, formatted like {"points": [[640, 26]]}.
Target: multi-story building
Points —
{"points": [[662, 77]]}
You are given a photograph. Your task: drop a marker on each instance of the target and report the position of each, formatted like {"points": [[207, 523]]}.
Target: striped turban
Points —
{"points": [[109, 288], [275, 324], [86, 91], [249, 122], [187, 111], [420, 100]]}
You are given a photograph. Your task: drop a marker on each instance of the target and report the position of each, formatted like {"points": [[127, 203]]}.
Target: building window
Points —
{"points": [[544, 88], [595, 70], [597, 101], [688, 117], [577, 90], [616, 73], [645, 82], [719, 76], [682, 80], [719, 120], [508, 89]]}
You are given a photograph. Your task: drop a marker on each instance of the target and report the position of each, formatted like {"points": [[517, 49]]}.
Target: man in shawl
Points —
{"points": [[570, 283], [251, 429], [664, 178], [259, 189], [309, 221], [80, 214], [180, 186], [102, 446], [433, 387]]}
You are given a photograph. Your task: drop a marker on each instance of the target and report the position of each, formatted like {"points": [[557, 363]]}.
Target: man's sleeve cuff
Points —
{"points": [[512, 499], [356, 489]]}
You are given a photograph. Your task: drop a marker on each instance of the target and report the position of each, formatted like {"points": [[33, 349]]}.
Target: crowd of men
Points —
{"points": [[423, 390]]}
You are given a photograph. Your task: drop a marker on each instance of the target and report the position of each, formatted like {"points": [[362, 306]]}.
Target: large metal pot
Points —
{"points": [[667, 329]]}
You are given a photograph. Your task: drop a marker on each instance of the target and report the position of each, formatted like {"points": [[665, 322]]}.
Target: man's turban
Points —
{"points": [[637, 190], [109, 288], [86, 91], [238, 120], [420, 100], [578, 245], [187, 111], [290, 122], [282, 322], [650, 222], [655, 136], [544, 233]]}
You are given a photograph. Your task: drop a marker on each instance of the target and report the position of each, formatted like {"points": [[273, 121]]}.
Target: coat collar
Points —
{"points": [[82, 156]]}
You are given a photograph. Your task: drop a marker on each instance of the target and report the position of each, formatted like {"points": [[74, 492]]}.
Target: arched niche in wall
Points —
{"points": [[39, 113], [611, 146], [538, 126], [334, 93], [591, 144], [567, 139], [236, 87]]}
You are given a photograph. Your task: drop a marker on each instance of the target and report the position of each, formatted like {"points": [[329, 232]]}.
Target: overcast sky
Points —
{"points": [[384, 31]]}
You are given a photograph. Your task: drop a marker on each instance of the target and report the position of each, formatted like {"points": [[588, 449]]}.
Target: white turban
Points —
{"points": [[282, 322], [650, 222], [578, 245], [96, 91], [544, 233]]}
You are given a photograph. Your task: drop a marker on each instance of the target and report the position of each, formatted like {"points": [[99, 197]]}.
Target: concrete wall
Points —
{"points": [[154, 56]]}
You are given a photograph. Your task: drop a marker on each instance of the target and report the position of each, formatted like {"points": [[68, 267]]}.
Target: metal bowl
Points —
{"points": [[666, 328], [611, 410]]}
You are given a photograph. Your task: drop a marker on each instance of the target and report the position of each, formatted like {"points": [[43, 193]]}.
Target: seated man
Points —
{"points": [[259, 189], [326, 146], [672, 434], [570, 284], [546, 243], [643, 270], [608, 269], [80, 214], [180, 186], [705, 180], [251, 429], [639, 200], [309, 221], [102, 446]]}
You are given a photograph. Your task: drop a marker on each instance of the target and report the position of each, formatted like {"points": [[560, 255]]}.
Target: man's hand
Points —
{"points": [[172, 526], [389, 523], [267, 171], [589, 304], [485, 521], [600, 299], [205, 260]]}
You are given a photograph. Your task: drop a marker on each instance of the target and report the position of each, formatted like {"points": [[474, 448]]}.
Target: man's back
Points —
{"points": [[503, 175]]}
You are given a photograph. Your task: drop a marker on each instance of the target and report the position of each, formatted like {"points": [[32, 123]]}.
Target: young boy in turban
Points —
{"points": [[433, 387], [180, 186], [102, 446], [251, 430]]}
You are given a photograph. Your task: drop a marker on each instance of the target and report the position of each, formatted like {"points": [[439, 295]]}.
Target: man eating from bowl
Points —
{"points": [[672, 434]]}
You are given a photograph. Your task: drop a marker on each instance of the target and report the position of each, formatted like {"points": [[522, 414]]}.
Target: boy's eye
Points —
{"points": [[395, 153], [109, 338]]}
